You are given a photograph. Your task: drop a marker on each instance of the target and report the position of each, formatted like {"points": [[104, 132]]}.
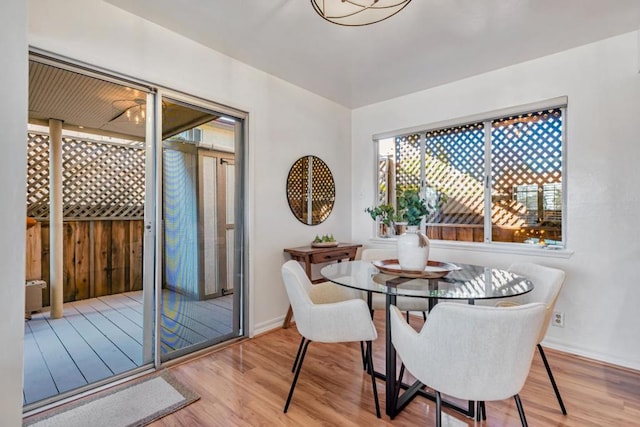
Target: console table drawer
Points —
{"points": [[332, 256]]}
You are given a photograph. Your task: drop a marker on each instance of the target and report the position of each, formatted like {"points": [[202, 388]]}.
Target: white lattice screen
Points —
{"points": [[100, 179], [524, 189]]}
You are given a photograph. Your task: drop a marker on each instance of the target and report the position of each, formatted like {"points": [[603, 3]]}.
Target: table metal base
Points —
{"points": [[418, 389]]}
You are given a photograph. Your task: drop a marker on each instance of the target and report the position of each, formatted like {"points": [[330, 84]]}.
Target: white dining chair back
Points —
{"points": [[342, 321], [378, 301], [547, 284], [471, 352], [375, 254], [336, 322]]}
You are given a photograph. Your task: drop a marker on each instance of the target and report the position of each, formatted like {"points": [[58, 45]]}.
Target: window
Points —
{"points": [[496, 179]]}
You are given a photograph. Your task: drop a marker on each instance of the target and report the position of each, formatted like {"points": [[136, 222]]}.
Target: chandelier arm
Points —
{"points": [[321, 11], [373, 6]]}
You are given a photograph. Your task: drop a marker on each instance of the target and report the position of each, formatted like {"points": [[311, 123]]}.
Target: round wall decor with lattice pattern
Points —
{"points": [[311, 191]]}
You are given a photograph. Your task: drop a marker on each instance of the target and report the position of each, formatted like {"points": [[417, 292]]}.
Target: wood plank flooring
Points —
{"points": [[246, 384], [101, 337]]}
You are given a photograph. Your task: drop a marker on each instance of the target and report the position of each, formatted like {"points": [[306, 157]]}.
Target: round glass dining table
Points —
{"points": [[461, 282]]}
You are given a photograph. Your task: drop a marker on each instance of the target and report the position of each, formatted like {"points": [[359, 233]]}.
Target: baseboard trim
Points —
{"points": [[261, 328], [593, 355]]}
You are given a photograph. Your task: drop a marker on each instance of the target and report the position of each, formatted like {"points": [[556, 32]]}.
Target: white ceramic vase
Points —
{"points": [[413, 249]]}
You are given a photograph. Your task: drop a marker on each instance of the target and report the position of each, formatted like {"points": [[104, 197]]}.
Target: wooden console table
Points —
{"points": [[310, 255]]}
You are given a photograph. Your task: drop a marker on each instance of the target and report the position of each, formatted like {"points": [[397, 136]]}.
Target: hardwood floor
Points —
{"points": [[247, 384]]}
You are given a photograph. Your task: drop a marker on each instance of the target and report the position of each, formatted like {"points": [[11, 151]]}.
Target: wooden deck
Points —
{"points": [[101, 337]]}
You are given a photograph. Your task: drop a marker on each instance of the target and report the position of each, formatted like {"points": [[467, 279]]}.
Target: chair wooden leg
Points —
{"points": [[295, 362], [407, 316], [424, 316], [484, 411], [553, 381], [373, 377], [438, 409], [523, 419], [295, 378]]}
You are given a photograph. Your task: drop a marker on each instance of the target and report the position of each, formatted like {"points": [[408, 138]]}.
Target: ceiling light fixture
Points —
{"points": [[353, 13], [133, 110]]}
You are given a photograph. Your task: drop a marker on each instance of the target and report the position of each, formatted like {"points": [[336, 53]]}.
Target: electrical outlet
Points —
{"points": [[558, 319]]}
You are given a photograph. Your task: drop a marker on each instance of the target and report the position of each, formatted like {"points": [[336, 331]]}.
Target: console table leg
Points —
{"points": [[287, 318]]}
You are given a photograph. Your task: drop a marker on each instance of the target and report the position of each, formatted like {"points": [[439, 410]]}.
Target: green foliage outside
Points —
{"points": [[384, 213]]}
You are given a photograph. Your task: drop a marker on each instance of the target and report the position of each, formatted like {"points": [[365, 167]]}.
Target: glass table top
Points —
{"points": [[470, 282]]}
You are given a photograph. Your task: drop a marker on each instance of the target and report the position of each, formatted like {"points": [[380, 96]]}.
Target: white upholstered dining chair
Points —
{"points": [[330, 322], [378, 301], [470, 352], [547, 282]]}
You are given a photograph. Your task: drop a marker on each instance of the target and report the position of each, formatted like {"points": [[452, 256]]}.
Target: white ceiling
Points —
{"points": [[429, 43]]}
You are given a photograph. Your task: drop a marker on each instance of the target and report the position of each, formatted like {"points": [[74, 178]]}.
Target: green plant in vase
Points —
{"points": [[411, 207]]}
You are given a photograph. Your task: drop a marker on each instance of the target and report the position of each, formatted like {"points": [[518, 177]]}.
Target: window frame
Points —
{"points": [[486, 117]]}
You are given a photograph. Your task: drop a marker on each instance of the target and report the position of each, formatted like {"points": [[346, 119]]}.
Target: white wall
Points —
{"points": [[601, 296], [13, 166], [286, 122]]}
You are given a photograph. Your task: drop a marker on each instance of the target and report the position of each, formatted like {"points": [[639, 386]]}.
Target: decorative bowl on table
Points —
{"points": [[326, 241], [433, 270]]}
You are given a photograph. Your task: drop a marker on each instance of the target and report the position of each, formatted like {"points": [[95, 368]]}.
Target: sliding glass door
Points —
{"points": [[199, 297], [135, 229]]}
